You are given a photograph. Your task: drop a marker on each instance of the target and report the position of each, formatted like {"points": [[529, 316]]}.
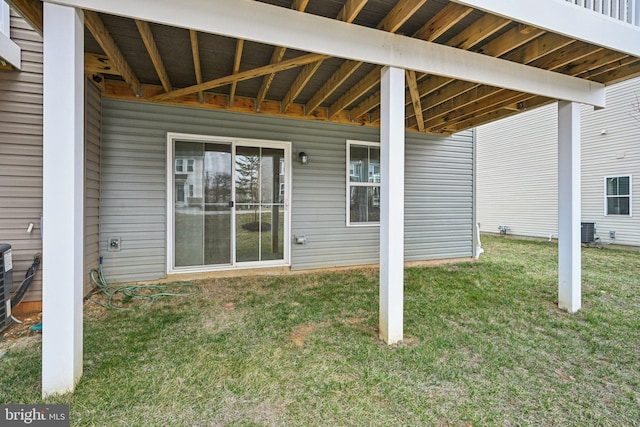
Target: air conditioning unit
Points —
{"points": [[587, 232], [6, 282]]}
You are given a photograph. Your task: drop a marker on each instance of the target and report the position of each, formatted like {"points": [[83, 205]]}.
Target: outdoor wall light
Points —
{"points": [[303, 158]]}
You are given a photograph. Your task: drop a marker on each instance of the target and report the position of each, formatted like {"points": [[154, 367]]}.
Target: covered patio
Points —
{"points": [[409, 65]]}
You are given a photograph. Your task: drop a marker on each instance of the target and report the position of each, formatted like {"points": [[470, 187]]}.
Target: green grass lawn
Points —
{"points": [[485, 345]]}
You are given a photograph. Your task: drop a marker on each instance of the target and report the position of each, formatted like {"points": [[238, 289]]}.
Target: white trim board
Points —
{"points": [[263, 23]]}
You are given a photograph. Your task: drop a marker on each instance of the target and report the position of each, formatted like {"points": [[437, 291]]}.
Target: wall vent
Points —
{"points": [[6, 282]]}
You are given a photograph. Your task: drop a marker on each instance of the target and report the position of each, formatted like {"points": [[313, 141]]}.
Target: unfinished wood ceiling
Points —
{"points": [[139, 60]]}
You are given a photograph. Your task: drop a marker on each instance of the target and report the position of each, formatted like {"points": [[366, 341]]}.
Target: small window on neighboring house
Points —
{"points": [[179, 165], [190, 163], [618, 195], [363, 183], [190, 190]]}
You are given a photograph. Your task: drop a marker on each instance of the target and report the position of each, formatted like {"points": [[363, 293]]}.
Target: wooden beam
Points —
{"points": [[449, 16], [99, 64], [473, 34], [152, 48], [30, 10], [108, 45], [276, 57], [539, 47], [343, 73], [301, 81], [592, 62], [478, 31], [479, 100], [356, 91], [351, 9], [608, 68], [566, 55], [197, 68], [619, 74], [348, 13], [401, 12], [534, 102], [244, 75], [512, 39], [236, 68], [415, 98]]}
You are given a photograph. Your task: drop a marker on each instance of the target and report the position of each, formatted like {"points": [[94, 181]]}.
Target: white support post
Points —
{"points": [[569, 263], [63, 198], [392, 204]]}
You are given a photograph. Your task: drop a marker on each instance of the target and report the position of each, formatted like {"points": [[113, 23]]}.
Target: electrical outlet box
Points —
{"points": [[113, 244], [612, 234]]}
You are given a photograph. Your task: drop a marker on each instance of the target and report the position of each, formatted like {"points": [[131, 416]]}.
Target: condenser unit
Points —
{"points": [[6, 282]]}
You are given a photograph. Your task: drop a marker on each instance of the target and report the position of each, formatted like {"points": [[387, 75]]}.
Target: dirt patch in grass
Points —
{"points": [[20, 335], [301, 332]]}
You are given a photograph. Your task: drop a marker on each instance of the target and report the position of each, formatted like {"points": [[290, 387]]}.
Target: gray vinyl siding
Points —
{"points": [[133, 201], [21, 155], [92, 130], [517, 174], [517, 168]]}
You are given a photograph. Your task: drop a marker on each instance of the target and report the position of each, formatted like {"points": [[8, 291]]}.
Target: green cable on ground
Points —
{"points": [[147, 293]]}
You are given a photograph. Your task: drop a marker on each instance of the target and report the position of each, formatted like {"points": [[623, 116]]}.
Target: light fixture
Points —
{"points": [[303, 158]]}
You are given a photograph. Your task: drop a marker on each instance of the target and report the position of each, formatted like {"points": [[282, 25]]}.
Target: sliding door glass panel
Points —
{"points": [[217, 197], [260, 204], [202, 180]]}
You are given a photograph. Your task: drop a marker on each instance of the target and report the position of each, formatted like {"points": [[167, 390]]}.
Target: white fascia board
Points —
{"points": [[9, 51], [263, 23], [571, 20]]}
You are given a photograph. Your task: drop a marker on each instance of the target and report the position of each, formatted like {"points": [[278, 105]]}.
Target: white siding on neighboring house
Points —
{"points": [[93, 137], [517, 174], [614, 153], [21, 155], [517, 168]]}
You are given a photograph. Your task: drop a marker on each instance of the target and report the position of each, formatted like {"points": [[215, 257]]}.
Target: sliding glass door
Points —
{"points": [[229, 203]]}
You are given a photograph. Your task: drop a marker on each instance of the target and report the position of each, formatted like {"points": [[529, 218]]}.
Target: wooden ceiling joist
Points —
{"points": [[99, 64], [356, 91], [95, 25], [400, 13], [152, 49], [415, 98], [442, 22], [345, 71], [351, 9], [301, 81], [348, 13], [478, 31], [244, 75], [276, 57], [195, 53], [236, 68]]}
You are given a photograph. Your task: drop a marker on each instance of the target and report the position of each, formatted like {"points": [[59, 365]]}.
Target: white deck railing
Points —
{"points": [[623, 10]]}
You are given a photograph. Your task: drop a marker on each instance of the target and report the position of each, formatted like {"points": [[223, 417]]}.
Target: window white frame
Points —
{"points": [[9, 51], [350, 184], [234, 142], [606, 196]]}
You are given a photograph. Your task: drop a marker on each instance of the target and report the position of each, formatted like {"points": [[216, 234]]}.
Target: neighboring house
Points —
{"points": [[517, 173], [232, 135]]}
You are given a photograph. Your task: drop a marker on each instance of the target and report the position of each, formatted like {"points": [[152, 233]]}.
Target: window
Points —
{"points": [[179, 165], [190, 190], [190, 163], [363, 183], [618, 195]]}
